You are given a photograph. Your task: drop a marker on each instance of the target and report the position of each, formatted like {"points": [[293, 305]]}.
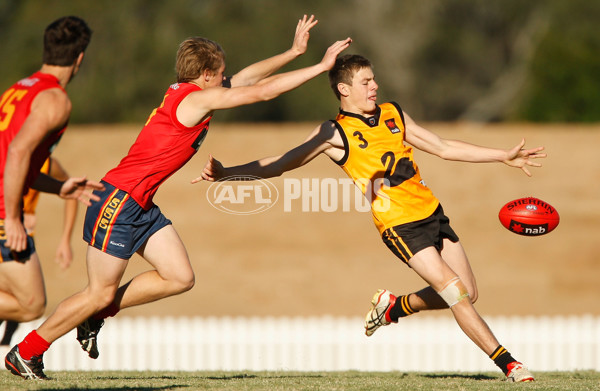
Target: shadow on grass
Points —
{"points": [[169, 387], [125, 378], [230, 377], [266, 376], [459, 376], [115, 377]]}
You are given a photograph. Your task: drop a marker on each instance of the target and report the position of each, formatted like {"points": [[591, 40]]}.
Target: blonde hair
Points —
{"points": [[195, 55]]}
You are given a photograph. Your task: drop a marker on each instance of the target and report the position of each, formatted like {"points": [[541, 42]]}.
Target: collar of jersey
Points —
{"points": [[371, 121]]}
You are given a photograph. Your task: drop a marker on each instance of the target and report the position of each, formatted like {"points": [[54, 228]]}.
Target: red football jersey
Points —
{"points": [[163, 146], [15, 106]]}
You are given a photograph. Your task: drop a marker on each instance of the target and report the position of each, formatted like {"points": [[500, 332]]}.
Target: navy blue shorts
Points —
{"points": [[118, 225], [10, 255], [406, 240]]}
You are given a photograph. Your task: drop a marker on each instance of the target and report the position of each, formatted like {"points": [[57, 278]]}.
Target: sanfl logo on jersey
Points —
{"points": [[391, 124], [28, 82]]}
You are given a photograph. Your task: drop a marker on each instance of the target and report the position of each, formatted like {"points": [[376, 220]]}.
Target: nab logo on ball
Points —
{"points": [[529, 217], [242, 195]]}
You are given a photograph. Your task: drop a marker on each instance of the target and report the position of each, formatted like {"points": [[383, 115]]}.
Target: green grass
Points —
{"points": [[272, 381]]}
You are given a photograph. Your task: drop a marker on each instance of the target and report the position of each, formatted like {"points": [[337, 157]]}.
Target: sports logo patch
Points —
{"points": [[528, 229], [391, 124]]}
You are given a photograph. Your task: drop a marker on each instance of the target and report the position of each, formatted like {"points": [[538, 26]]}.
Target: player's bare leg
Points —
{"points": [[173, 272], [456, 258], [22, 290], [104, 274], [429, 264], [387, 308]]}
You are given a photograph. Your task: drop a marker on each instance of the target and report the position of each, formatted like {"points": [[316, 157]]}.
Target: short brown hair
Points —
{"points": [[344, 69], [195, 55], [64, 40]]}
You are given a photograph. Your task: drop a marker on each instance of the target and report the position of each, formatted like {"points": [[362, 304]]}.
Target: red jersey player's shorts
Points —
{"points": [[405, 240], [119, 226], [10, 255]]}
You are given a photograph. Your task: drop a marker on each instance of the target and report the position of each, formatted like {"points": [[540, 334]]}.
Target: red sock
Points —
{"points": [[111, 310], [33, 345]]}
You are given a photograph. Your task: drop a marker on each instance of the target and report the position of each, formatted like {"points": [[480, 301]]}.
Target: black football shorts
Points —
{"points": [[405, 240], [10, 255]]}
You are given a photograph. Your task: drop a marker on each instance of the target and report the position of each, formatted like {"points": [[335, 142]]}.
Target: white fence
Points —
{"points": [[417, 343]]}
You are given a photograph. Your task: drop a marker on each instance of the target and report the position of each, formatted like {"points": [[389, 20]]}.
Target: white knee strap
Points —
{"points": [[453, 292]]}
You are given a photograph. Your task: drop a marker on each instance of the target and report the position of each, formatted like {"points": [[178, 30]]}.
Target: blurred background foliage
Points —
{"points": [[442, 60]]}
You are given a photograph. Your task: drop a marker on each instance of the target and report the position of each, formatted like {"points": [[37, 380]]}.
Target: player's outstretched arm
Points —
{"points": [[197, 104], [323, 139], [263, 168], [258, 71], [458, 150], [324, 65], [72, 189]]}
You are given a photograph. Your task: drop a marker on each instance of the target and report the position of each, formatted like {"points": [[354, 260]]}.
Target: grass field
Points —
{"points": [[258, 381]]}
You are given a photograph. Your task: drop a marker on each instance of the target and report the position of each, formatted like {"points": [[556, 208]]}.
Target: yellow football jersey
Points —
{"points": [[382, 166]]}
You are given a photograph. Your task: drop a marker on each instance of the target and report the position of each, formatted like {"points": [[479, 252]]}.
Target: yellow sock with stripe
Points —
{"points": [[502, 358], [401, 309]]}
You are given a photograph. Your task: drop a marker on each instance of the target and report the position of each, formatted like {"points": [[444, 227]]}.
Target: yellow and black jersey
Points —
{"points": [[382, 166]]}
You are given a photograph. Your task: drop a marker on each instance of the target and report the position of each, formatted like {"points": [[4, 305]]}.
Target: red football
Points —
{"points": [[529, 217]]}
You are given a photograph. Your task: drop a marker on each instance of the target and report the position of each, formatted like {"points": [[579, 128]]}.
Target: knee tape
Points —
{"points": [[453, 292]]}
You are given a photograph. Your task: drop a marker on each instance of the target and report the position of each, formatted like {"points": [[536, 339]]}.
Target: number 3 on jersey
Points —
{"points": [[7, 106], [364, 143]]}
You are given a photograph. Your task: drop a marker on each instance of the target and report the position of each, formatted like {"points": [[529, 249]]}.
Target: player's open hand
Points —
{"points": [[300, 43], [213, 171], [64, 254], [16, 237], [332, 52], [521, 158], [80, 189]]}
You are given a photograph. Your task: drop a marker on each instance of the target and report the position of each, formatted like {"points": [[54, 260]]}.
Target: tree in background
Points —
{"points": [[510, 60]]}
